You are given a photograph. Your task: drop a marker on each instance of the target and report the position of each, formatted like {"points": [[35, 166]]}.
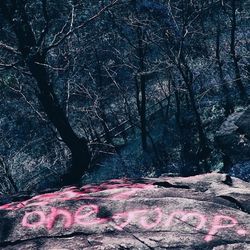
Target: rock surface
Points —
{"points": [[233, 136], [243, 123], [202, 212]]}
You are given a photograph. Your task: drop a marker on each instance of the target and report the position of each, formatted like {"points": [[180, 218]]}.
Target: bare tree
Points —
{"points": [[33, 53]]}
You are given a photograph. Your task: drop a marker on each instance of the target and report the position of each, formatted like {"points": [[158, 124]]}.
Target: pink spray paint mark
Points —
{"points": [[84, 213], [241, 232], [72, 193], [57, 213], [34, 224], [86, 216], [126, 218], [218, 225], [123, 195], [185, 216], [158, 220], [172, 216], [121, 220], [198, 216]]}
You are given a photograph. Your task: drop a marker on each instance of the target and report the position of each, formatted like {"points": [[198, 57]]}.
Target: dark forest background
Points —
{"points": [[125, 88]]}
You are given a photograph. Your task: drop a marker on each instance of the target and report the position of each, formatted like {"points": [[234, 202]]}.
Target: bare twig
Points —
{"points": [[82, 25], [9, 48]]}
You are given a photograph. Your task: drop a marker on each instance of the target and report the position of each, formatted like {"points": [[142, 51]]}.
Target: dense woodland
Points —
{"points": [[122, 88]]}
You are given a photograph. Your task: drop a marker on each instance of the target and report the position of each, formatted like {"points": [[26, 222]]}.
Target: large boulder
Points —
{"points": [[243, 123], [201, 212], [233, 136]]}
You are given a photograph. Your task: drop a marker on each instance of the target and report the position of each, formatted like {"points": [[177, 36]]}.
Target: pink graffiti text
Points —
{"points": [[147, 219]]}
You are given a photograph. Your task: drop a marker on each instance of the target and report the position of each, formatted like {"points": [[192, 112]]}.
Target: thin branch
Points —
{"points": [[46, 18], [19, 91], [54, 68], [72, 30], [58, 34], [10, 65], [9, 48]]}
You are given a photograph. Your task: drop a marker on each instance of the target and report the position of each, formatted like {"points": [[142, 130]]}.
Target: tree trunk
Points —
{"points": [[77, 146], [229, 107], [204, 149], [142, 90], [101, 113], [238, 79]]}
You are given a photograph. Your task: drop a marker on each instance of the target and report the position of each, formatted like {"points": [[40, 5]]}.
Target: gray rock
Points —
{"points": [[233, 138], [202, 212], [241, 170], [243, 123]]}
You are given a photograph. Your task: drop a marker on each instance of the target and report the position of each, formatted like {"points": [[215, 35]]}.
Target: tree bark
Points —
{"points": [[238, 79], [229, 107], [204, 150], [142, 89]]}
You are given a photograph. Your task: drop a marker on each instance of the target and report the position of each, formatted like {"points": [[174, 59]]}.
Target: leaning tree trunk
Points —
{"points": [[78, 146]]}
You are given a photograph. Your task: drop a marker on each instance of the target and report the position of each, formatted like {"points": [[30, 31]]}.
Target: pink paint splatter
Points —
{"points": [[84, 213], [57, 213], [219, 225], [158, 220], [34, 224]]}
